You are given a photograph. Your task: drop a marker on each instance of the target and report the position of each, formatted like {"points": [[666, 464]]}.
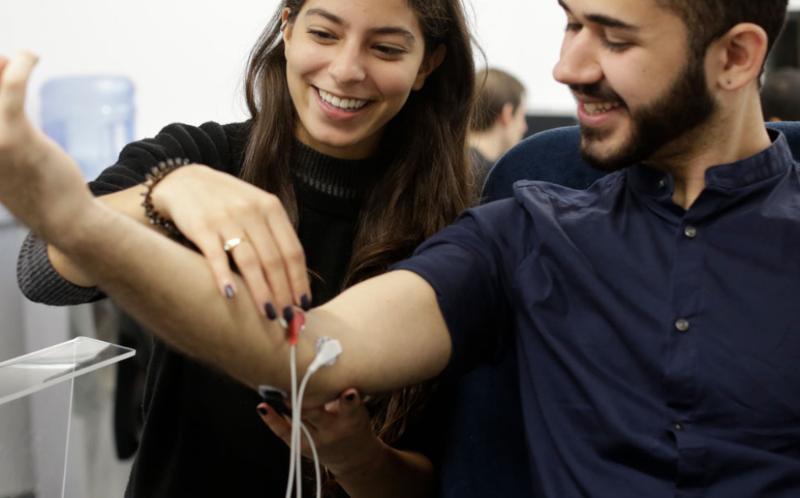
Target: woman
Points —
{"points": [[359, 116]]}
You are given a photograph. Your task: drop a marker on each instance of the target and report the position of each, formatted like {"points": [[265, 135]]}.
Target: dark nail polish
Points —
{"points": [[288, 314], [229, 292], [269, 309], [305, 302], [263, 410]]}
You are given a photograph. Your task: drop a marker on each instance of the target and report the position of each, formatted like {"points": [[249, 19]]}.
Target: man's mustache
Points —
{"points": [[597, 91]]}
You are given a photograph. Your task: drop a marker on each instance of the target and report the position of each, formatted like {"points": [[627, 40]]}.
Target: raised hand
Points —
{"points": [[39, 183]]}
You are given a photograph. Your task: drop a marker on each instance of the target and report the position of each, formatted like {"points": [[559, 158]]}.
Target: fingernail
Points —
{"points": [[269, 309], [305, 302], [288, 314], [262, 409], [229, 291]]}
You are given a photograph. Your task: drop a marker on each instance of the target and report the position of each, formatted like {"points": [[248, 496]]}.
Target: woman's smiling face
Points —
{"points": [[351, 65]]}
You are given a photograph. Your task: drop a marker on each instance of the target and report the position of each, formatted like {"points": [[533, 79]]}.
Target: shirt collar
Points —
{"points": [[769, 163], [341, 178]]}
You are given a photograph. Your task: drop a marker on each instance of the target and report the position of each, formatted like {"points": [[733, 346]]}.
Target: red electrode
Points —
{"points": [[296, 326]]}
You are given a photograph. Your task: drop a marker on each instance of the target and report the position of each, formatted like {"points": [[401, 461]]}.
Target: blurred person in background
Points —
{"points": [[498, 120]]}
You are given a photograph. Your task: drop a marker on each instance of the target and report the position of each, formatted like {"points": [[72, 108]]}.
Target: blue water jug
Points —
{"points": [[91, 117]]}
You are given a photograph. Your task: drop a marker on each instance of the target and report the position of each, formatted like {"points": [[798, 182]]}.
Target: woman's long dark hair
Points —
{"points": [[428, 181]]}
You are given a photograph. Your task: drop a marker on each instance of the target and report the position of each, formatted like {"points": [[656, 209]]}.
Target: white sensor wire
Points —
{"points": [[299, 405], [328, 350], [317, 470], [292, 446]]}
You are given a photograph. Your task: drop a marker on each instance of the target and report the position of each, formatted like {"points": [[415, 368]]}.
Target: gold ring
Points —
{"points": [[231, 244]]}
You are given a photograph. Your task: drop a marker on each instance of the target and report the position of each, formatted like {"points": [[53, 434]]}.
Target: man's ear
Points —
{"points": [[506, 116], [429, 65], [738, 56]]}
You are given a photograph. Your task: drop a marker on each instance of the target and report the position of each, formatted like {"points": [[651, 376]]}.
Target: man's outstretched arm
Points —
{"points": [[391, 329]]}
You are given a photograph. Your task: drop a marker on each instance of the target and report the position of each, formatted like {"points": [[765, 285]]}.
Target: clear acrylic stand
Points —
{"points": [[36, 405]]}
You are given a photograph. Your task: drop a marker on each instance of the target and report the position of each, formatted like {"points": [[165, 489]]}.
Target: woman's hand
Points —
{"points": [[341, 430], [364, 466], [39, 183], [214, 209]]}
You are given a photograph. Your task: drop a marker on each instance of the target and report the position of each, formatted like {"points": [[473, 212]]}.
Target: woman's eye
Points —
{"points": [[390, 50], [321, 35], [573, 26]]}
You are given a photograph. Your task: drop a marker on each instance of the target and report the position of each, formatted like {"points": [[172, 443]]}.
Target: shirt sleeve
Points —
{"points": [[218, 146], [41, 283], [470, 267]]}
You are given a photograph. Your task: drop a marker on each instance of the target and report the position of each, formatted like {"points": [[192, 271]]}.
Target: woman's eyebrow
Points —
{"points": [[327, 15], [383, 30], [395, 30]]}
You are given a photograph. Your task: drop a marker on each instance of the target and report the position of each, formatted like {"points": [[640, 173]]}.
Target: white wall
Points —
{"points": [[187, 57], [524, 37]]}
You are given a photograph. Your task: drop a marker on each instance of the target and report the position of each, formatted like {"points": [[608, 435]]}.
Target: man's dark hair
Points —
{"points": [[710, 19]]}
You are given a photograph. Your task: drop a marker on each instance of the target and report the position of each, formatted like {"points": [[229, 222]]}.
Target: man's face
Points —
{"points": [[638, 87]]}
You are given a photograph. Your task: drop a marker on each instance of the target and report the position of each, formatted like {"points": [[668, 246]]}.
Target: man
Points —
{"points": [[498, 120], [653, 315]]}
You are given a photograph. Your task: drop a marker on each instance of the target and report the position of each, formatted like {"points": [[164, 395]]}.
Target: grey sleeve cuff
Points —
{"points": [[41, 283]]}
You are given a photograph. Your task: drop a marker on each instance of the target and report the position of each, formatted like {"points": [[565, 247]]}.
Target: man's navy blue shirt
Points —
{"points": [[658, 349]]}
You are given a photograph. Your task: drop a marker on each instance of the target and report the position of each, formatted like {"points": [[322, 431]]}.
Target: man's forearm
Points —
{"points": [[170, 289], [127, 202]]}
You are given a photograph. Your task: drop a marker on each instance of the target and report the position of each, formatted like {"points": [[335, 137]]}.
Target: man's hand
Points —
{"points": [[39, 183]]}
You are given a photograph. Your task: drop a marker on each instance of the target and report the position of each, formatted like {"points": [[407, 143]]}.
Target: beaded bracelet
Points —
{"points": [[156, 174]]}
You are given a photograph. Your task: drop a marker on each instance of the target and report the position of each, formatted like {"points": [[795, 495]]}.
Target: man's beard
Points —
{"points": [[684, 107]]}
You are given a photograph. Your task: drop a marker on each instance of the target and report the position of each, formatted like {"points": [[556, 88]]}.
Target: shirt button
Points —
{"points": [[690, 232], [677, 426], [682, 324]]}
